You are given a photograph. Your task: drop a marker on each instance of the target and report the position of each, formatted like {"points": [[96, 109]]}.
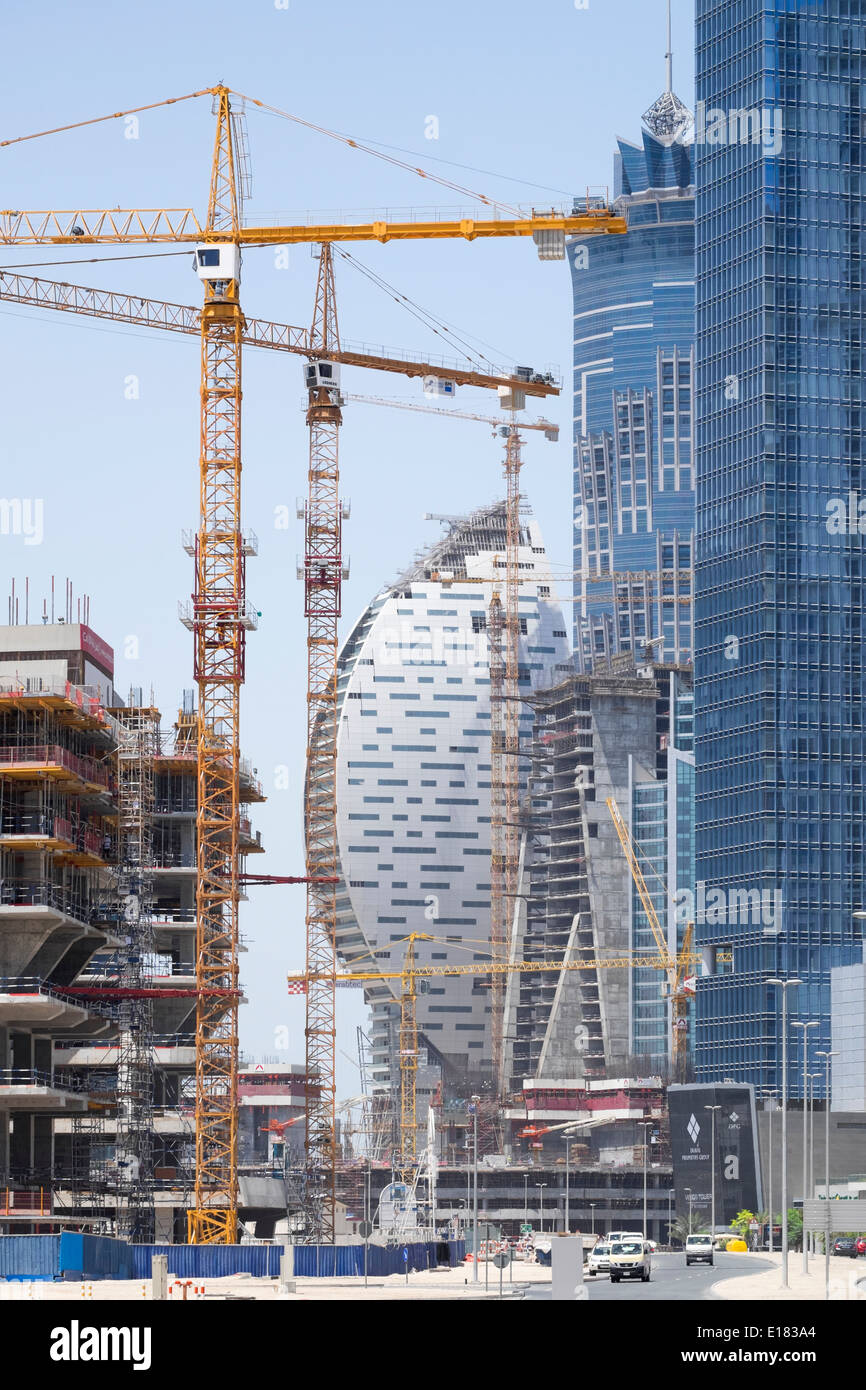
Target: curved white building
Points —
{"points": [[413, 783]]}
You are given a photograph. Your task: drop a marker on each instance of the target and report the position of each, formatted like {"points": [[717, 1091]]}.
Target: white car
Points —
{"points": [[599, 1258], [699, 1249]]}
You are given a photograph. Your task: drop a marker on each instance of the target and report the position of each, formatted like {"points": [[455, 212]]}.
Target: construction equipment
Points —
{"points": [[680, 988], [412, 972], [219, 616], [259, 333], [551, 431]]}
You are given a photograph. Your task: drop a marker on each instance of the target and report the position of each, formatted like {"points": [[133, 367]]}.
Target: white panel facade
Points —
{"points": [[413, 778]]}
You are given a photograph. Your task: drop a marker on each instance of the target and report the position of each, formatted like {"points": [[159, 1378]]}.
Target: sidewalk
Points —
{"points": [[847, 1281], [427, 1285]]}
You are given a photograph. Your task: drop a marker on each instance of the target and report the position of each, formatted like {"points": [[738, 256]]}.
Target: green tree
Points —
{"points": [[795, 1228], [742, 1222]]}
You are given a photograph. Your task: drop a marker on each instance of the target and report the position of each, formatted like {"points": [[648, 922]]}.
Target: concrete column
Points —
{"points": [[566, 1260]]}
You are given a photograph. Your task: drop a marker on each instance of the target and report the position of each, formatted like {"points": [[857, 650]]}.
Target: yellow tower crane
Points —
{"points": [[220, 616], [674, 966], [412, 972]]}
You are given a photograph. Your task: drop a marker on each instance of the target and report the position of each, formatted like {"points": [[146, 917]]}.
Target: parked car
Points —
{"points": [[630, 1259], [599, 1258], [861, 1245], [699, 1248], [845, 1245]]}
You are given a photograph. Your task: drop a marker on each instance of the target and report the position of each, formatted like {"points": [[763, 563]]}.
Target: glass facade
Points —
{"points": [[633, 417], [662, 825], [781, 89]]}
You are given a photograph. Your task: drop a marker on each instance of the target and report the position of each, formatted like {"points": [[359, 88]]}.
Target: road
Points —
{"points": [[670, 1280]]}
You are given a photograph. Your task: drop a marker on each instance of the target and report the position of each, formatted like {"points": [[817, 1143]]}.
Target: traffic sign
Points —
{"points": [[366, 1229], [405, 1255], [502, 1259], [526, 1229]]}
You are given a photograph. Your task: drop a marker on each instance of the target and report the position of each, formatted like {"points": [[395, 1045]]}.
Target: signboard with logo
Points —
{"points": [[737, 1164]]}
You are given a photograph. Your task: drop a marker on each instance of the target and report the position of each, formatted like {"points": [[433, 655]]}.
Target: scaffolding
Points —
{"points": [[138, 745]]}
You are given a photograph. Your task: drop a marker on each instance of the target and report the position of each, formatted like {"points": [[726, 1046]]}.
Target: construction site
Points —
{"points": [[128, 1110]]}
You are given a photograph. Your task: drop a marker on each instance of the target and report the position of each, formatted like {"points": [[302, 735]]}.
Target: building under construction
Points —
{"points": [[413, 780], [612, 734], [97, 942]]}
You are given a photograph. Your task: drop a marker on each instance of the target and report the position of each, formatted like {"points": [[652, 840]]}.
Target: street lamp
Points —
{"points": [[712, 1109], [784, 985], [770, 1102], [812, 1078], [827, 1056], [474, 1109], [645, 1125], [805, 1027], [541, 1186]]}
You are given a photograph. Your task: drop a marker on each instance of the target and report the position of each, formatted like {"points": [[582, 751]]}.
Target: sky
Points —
{"points": [[101, 422]]}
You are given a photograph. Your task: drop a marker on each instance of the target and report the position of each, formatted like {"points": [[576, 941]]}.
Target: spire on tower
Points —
{"points": [[668, 118]]}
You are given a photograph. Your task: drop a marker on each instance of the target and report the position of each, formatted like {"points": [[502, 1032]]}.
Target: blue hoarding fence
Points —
{"points": [[72, 1256], [76, 1256], [338, 1261]]}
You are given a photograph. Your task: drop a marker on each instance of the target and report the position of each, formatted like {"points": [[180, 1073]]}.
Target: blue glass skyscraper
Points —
{"points": [[781, 90], [633, 420]]}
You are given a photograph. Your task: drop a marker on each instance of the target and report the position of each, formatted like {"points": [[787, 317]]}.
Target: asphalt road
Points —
{"points": [[670, 1281]]}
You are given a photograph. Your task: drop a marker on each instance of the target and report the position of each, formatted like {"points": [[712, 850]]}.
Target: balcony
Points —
{"points": [[46, 895], [22, 1088], [31, 761], [29, 1000], [74, 841]]}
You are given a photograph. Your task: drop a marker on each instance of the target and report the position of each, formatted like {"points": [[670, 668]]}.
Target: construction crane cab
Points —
{"points": [[218, 261], [322, 374]]}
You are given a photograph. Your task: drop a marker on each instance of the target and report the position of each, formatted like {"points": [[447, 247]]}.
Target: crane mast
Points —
{"points": [[219, 622], [323, 576]]}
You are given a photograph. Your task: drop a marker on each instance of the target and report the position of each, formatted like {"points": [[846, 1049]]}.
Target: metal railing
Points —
{"points": [[42, 893], [14, 1201], [86, 768], [29, 1076]]}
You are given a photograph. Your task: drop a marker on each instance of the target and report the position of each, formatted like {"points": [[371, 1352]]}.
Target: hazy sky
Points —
{"points": [[102, 422]]}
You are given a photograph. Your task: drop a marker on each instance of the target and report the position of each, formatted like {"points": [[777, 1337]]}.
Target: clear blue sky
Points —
{"points": [[535, 93]]}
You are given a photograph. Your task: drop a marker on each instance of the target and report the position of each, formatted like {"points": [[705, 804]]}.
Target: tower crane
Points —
{"points": [[219, 615], [680, 986], [323, 574]]}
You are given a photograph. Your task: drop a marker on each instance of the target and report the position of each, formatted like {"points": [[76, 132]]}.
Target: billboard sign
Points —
{"points": [[737, 1163]]}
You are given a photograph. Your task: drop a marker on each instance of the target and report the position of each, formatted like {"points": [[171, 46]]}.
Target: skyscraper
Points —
{"points": [[779, 647], [413, 776], [633, 422]]}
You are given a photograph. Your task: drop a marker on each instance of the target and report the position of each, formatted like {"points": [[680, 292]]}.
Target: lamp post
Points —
{"points": [[475, 1101], [670, 1198], [688, 1192], [525, 1199], [645, 1125], [567, 1158], [541, 1186], [592, 1207], [812, 1078], [827, 1056], [712, 1109], [784, 985], [813, 1023], [771, 1104]]}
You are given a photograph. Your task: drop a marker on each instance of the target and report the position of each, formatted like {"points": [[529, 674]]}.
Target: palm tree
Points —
{"points": [[680, 1230]]}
